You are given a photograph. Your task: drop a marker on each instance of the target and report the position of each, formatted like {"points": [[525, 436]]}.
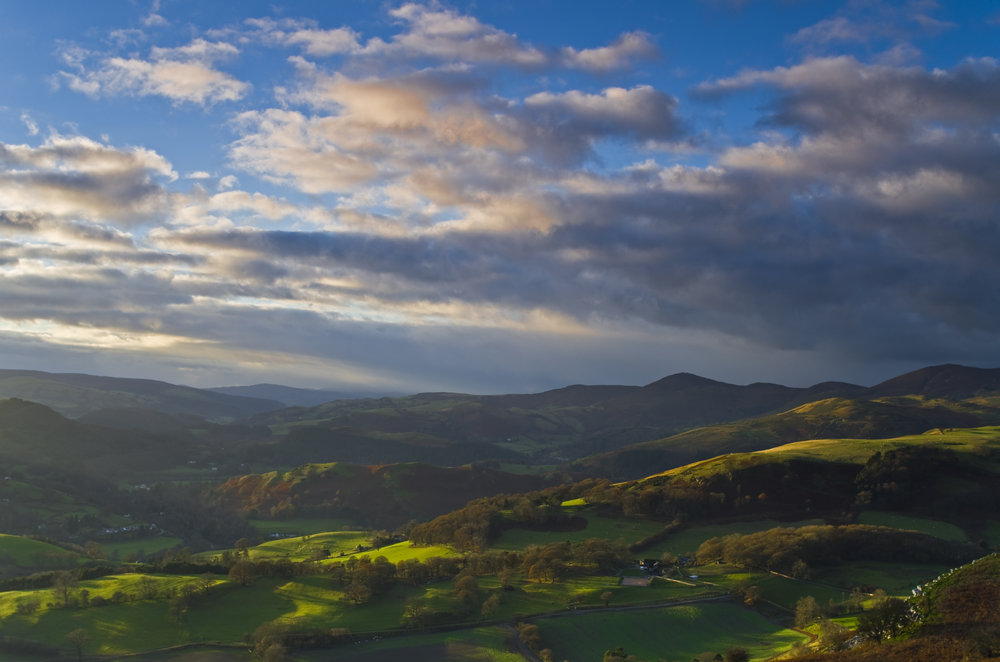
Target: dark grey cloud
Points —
{"points": [[842, 96]]}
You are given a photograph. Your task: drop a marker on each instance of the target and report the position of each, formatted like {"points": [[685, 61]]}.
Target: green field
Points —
{"points": [[26, 553], [931, 527], [675, 634], [475, 645], [333, 543], [301, 526], [126, 548], [893, 578]]}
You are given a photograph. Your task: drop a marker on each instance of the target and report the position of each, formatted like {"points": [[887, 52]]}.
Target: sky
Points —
{"points": [[496, 197]]}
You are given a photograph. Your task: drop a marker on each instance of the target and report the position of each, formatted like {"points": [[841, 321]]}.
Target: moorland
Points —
{"points": [[687, 519]]}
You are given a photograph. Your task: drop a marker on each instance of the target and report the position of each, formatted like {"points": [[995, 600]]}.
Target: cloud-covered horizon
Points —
{"points": [[443, 203]]}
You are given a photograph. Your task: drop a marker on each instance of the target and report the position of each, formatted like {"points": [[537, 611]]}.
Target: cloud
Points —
{"points": [[641, 112], [29, 124], [448, 35], [842, 95], [873, 21], [618, 55], [73, 176], [322, 43], [183, 74]]}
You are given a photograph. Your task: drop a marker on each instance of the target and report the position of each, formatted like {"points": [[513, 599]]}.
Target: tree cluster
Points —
{"points": [[792, 550]]}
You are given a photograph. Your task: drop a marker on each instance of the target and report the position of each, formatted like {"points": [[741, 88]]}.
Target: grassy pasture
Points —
{"points": [[400, 551], [531, 598], [145, 545], [931, 527], [671, 633], [484, 644], [301, 526], [974, 441], [302, 547], [18, 552], [977, 443], [893, 578]]}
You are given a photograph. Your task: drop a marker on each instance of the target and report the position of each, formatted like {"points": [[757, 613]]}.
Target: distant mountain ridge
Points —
{"points": [[291, 396], [75, 395]]}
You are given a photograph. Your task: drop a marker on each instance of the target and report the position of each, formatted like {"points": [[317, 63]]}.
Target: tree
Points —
{"points": [[530, 635], [606, 597], [490, 606], [78, 639], [737, 654], [63, 584], [806, 611], [507, 576], [832, 636], [242, 572], [94, 550], [884, 621], [358, 593], [466, 592], [273, 652], [243, 547]]}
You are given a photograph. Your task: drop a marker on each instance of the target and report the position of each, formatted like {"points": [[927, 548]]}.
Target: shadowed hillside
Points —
{"points": [[557, 425], [379, 496]]}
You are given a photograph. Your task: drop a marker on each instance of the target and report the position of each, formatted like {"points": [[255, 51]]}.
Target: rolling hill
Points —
{"points": [[554, 426], [831, 417]]}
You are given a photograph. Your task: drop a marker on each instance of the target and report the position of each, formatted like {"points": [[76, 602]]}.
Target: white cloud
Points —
{"points": [[627, 47], [183, 74], [29, 124], [322, 43]]}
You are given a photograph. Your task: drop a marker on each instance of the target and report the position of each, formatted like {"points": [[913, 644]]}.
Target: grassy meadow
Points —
{"points": [[675, 634], [936, 528], [484, 644], [20, 553]]}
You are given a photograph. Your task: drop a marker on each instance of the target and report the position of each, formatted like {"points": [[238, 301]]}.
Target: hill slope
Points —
{"points": [[832, 417], [556, 425], [382, 496]]}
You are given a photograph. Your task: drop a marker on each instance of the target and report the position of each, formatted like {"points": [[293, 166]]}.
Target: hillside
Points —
{"points": [[74, 395], [831, 417], [31, 433], [955, 620], [553, 426], [376, 497], [290, 396]]}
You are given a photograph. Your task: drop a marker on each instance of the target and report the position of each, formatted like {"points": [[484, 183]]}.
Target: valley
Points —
{"points": [[683, 520]]}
